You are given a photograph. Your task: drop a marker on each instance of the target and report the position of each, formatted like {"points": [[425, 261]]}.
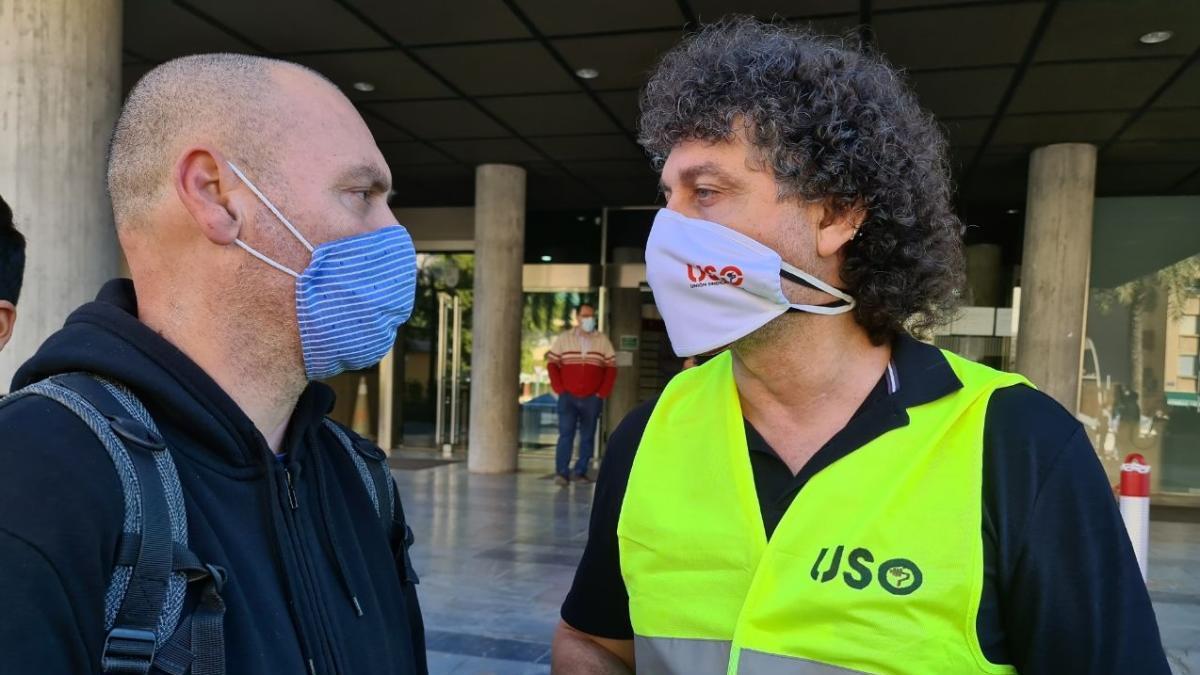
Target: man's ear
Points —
{"points": [[206, 185], [8, 318], [839, 224]]}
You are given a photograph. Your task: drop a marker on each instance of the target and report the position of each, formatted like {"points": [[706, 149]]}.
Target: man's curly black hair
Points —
{"points": [[832, 123], [12, 256]]}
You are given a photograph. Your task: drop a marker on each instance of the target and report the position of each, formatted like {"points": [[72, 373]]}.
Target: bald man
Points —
{"points": [[250, 200]]}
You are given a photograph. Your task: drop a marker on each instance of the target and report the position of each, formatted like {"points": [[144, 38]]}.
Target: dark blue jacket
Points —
{"points": [[292, 570]]}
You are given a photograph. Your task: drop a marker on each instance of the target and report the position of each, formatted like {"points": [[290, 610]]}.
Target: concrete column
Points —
{"points": [[625, 319], [1055, 268], [983, 274], [496, 318], [60, 90]]}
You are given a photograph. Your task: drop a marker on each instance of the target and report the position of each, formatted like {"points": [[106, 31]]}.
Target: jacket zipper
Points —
{"points": [[302, 558]]}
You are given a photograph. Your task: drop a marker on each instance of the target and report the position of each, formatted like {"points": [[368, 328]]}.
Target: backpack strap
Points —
{"points": [[153, 565], [373, 470], [377, 478]]}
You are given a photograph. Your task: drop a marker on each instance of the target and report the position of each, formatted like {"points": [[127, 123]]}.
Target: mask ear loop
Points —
{"points": [[247, 248], [267, 202], [804, 278]]}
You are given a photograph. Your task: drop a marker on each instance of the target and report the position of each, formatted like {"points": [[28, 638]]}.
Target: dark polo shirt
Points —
{"points": [[1062, 592]]}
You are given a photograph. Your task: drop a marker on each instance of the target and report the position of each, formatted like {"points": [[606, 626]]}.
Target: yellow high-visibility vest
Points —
{"points": [[876, 567]]}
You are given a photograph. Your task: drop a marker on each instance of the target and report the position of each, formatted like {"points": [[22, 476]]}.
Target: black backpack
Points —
{"points": [[147, 624]]}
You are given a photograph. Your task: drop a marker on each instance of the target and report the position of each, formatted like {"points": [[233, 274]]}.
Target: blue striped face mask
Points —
{"points": [[352, 296]]}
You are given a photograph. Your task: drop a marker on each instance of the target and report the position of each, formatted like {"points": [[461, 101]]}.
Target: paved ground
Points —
{"points": [[496, 555]]}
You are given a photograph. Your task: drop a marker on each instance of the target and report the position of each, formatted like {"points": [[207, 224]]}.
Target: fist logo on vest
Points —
{"points": [[898, 576], [708, 275]]}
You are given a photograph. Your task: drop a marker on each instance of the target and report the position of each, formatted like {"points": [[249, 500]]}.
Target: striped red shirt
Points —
{"points": [[582, 364]]}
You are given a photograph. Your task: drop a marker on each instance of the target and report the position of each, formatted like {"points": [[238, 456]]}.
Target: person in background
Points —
{"points": [[582, 367], [12, 270]]}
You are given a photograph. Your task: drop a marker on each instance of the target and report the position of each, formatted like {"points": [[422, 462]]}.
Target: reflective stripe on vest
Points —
{"points": [[876, 567], [711, 657], [680, 655]]}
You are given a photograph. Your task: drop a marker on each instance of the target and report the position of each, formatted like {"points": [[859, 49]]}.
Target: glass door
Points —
{"points": [[437, 353]]}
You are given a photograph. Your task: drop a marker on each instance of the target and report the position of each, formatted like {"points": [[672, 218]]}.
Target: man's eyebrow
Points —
{"points": [[369, 174], [692, 174]]}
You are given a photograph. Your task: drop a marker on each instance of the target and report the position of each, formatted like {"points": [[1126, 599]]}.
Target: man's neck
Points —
{"points": [[246, 368], [801, 381]]}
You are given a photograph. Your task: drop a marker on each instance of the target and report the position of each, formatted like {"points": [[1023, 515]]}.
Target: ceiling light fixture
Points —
{"points": [[546, 258], [364, 86], [1155, 37], [1013, 212], [587, 73]]}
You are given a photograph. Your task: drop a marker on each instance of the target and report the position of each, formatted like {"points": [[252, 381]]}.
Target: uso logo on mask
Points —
{"points": [[707, 275]]}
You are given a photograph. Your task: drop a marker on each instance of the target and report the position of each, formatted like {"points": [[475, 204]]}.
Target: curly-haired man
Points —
{"points": [[826, 493]]}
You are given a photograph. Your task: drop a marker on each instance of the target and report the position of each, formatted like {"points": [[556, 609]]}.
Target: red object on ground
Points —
{"points": [[1135, 476]]}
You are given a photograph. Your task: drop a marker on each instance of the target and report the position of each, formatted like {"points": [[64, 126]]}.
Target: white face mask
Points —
{"points": [[714, 286], [588, 324]]}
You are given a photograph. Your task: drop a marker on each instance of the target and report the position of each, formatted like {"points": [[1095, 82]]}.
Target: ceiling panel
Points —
{"points": [[1164, 125], [555, 17], [1189, 186], [161, 30], [624, 105], [483, 151], [1114, 180], [551, 114], [711, 10], [393, 74], [1089, 86], [1184, 91], [885, 5], [623, 61], [1154, 151], [512, 68], [279, 26], [440, 119], [1089, 29], [382, 131], [405, 153], [966, 132], [1057, 128], [600, 146], [962, 93], [434, 22], [960, 36]]}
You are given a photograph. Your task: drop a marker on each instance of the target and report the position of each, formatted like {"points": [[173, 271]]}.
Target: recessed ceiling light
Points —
{"points": [[1013, 212], [546, 258], [364, 86], [587, 73], [1156, 36]]}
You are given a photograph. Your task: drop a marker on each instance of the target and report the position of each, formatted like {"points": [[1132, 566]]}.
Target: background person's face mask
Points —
{"points": [[714, 286], [588, 324], [352, 296]]}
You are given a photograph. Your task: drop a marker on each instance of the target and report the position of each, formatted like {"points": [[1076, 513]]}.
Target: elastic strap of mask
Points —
{"points": [[246, 247], [267, 202], [794, 274]]}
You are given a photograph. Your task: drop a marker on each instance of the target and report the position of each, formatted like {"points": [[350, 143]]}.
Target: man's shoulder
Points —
{"points": [[1020, 415], [58, 487]]}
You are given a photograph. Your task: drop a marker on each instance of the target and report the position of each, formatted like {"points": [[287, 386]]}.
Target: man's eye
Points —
{"points": [[704, 193], [365, 194]]}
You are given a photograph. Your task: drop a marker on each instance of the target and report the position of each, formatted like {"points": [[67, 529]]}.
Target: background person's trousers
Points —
{"points": [[576, 413]]}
